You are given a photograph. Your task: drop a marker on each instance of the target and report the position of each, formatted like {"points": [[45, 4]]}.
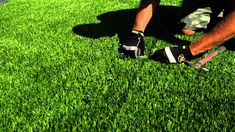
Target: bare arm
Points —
{"points": [[217, 36]]}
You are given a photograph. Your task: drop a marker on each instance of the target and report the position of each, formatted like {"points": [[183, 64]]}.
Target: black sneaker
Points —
{"points": [[134, 46], [173, 55]]}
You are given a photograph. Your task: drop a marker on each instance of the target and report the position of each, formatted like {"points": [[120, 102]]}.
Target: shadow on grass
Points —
{"points": [[162, 25]]}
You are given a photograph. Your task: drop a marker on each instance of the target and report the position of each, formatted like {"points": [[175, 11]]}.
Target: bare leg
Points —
{"points": [[144, 14], [134, 46]]}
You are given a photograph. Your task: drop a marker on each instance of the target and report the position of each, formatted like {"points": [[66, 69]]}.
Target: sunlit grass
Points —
{"points": [[47, 71]]}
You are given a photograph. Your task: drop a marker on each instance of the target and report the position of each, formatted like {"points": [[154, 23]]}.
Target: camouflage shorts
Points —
{"points": [[3, 1], [197, 14], [198, 19]]}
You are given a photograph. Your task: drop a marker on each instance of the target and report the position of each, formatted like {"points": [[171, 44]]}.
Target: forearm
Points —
{"points": [[145, 13], [217, 36]]}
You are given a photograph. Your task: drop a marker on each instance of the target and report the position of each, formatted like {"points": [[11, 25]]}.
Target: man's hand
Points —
{"points": [[172, 55]]}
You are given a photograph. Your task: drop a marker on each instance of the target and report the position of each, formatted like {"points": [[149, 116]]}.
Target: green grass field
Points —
{"points": [[54, 54]]}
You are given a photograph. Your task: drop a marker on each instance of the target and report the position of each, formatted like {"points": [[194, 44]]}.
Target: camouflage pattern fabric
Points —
{"points": [[198, 19], [198, 14], [3, 1]]}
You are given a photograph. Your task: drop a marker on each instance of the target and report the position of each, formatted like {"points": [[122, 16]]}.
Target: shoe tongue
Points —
{"points": [[137, 33]]}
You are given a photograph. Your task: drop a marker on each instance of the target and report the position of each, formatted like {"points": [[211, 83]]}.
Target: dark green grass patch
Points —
{"points": [[60, 70]]}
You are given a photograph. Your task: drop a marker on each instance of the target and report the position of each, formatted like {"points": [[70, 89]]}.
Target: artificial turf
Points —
{"points": [[60, 70]]}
